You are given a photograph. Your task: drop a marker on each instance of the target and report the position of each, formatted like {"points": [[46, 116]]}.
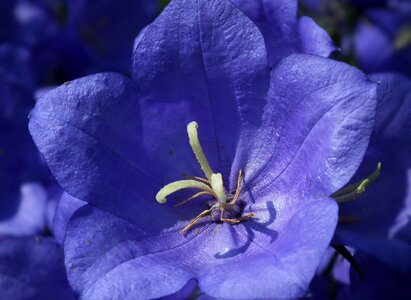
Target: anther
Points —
{"points": [[238, 189]]}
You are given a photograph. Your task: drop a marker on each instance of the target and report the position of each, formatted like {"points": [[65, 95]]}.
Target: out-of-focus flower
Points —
{"points": [[380, 281], [30, 217], [66, 207], [375, 35], [371, 222], [279, 146], [72, 38], [383, 41], [20, 161], [33, 268], [283, 32], [332, 279]]}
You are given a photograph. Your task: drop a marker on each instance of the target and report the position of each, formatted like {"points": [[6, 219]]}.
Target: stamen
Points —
{"points": [[198, 150], [211, 185], [218, 188], [179, 185], [238, 220], [238, 190], [352, 191], [195, 220], [193, 197]]}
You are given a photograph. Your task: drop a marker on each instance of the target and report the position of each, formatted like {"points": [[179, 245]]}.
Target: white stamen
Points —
{"points": [[198, 150], [218, 188], [179, 185]]}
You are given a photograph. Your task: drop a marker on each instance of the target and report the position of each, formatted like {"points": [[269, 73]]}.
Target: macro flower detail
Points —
{"points": [[297, 135], [223, 204]]}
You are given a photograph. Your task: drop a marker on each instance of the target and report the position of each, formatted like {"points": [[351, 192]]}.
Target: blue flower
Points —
{"points": [[20, 161], [370, 222], [373, 34], [30, 217], [32, 268], [381, 280], [72, 38], [263, 152], [382, 43], [283, 32]]}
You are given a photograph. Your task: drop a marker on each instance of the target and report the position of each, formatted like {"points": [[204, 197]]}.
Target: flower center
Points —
{"points": [[225, 207]]}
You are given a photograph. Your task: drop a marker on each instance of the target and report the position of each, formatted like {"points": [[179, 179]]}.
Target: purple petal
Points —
{"points": [[114, 259], [392, 120], [90, 134], [283, 33], [66, 207], [208, 61], [277, 21], [125, 261], [88, 131], [32, 268], [373, 48], [291, 259], [314, 39], [54, 193], [315, 129]]}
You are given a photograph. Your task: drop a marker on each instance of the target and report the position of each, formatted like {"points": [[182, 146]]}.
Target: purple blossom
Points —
{"points": [[32, 268], [332, 279], [297, 136], [19, 159], [96, 35], [30, 218], [382, 42], [371, 222], [283, 32], [380, 281], [65, 208]]}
